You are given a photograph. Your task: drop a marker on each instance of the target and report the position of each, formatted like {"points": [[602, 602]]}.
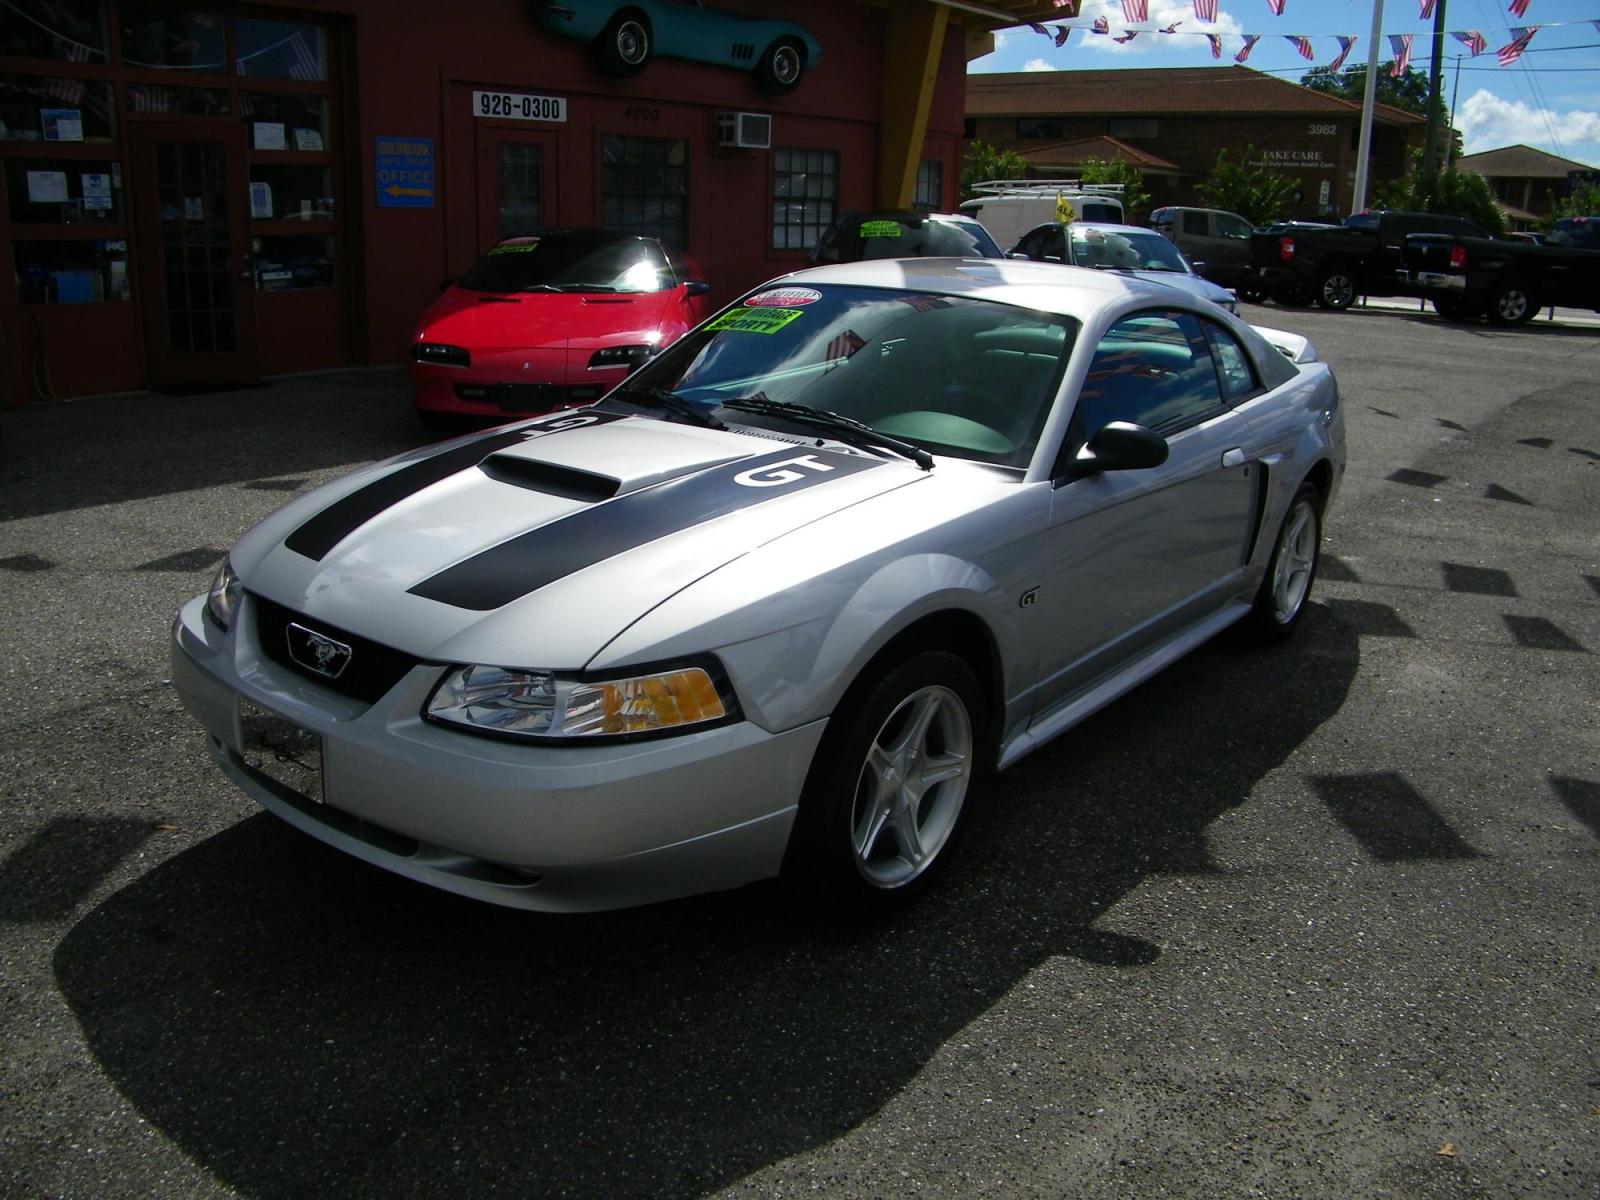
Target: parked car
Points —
{"points": [[550, 322], [778, 603], [1508, 281], [1125, 248], [1008, 208], [854, 237], [627, 34], [1334, 265], [1216, 242]]}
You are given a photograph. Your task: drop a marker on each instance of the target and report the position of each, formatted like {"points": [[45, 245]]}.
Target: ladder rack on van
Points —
{"points": [[1044, 187]]}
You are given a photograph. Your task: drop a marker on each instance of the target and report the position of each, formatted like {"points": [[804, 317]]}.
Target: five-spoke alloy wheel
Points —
{"points": [[1293, 569]]}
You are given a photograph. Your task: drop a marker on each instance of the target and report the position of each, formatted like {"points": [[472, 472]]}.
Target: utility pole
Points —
{"points": [[1455, 90], [1430, 149], [1364, 149]]}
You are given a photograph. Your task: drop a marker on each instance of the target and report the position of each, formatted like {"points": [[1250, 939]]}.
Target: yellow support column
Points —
{"points": [[913, 34]]}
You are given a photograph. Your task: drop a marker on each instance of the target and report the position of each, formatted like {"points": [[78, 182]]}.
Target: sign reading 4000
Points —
{"points": [[517, 106]]}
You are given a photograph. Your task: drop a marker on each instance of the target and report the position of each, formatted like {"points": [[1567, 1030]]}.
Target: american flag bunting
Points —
{"points": [[1063, 32], [1135, 11], [1512, 50], [1216, 45], [1427, 8], [1127, 36], [1518, 7], [1250, 40], [1472, 40], [1302, 45], [1401, 44], [1101, 25], [1344, 52], [1205, 10], [1173, 28], [1276, 6]]}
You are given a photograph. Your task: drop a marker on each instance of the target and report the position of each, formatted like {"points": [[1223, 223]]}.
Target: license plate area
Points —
{"points": [[279, 749]]}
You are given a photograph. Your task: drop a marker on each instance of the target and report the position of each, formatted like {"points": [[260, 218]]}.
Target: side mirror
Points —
{"points": [[695, 287], [1121, 446]]}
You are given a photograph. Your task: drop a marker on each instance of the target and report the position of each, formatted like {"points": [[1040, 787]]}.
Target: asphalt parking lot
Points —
{"points": [[1316, 921]]}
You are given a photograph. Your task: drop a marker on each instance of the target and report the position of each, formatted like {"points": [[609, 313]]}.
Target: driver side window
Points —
{"points": [[1152, 369]]}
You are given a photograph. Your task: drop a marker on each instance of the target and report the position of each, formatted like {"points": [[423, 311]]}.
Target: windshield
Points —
{"points": [[1127, 250], [968, 378], [853, 240], [1578, 233], [586, 263]]}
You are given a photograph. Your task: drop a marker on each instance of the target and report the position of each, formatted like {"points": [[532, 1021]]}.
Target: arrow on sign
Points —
{"points": [[394, 189]]}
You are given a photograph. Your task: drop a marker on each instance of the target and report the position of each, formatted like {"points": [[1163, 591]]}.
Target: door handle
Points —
{"points": [[1233, 457]]}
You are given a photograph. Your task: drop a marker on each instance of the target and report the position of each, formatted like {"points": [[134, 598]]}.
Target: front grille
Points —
{"points": [[527, 397], [373, 669]]}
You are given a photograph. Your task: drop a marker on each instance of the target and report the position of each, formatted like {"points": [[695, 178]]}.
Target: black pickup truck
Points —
{"points": [[1334, 265], [1508, 281]]}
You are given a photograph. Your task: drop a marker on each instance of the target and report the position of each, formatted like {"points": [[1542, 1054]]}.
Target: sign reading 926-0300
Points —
{"points": [[519, 106]]}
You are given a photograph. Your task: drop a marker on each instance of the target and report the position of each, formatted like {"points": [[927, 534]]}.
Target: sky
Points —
{"points": [[1549, 99]]}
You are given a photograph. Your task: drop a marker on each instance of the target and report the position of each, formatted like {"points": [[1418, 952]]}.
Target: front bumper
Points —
{"points": [[555, 829]]}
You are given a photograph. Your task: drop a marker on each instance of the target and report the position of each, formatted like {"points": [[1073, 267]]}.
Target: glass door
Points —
{"points": [[516, 183], [196, 266]]}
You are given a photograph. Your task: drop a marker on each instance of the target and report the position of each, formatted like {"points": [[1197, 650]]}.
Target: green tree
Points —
{"points": [[1257, 193], [1135, 200], [1583, 202], [989, 162], [1459, 193]]}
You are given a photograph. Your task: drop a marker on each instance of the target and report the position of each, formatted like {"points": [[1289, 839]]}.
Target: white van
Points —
{"points": [[1008, 208]]}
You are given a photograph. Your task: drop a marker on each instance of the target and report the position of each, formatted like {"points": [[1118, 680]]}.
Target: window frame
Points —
{"points": [[831, 201], [1214, 331]]}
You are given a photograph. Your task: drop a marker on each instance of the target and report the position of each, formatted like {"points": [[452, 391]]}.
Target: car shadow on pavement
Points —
{"points": [[102, 450], [299, 1023]]}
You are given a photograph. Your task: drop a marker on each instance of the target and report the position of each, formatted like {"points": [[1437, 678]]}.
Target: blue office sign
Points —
{"points": [[405, 172]]}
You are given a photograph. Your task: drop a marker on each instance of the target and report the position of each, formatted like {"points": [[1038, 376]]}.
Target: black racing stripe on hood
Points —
{"points": [[344, 516], [541, 556]]}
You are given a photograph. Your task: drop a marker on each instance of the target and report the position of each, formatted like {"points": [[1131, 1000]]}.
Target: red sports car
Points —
{"points": [[549, 322]]}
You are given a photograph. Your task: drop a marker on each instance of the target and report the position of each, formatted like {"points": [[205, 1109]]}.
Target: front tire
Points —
{"points": [[1512, 303], [624, 45], [781, 66], [1281, 601], [1336, 289], [889, 784]]}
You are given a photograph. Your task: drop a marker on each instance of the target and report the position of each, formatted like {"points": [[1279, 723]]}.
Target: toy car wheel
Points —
{"points": [[623, 47], [1336, 289], [781, 66], [1511, 303], [888, 785]]}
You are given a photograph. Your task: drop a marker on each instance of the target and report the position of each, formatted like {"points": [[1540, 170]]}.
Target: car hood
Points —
{"points": [[488, 321], [1192, 284], [536, 544]]}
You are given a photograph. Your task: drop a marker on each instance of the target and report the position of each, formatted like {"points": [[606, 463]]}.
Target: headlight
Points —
{"points": [[618, 356], [223, 601], [543, 705], [441, 354]]}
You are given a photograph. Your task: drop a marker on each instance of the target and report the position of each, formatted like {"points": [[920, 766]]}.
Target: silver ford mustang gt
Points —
{"points": [[778, 602]]}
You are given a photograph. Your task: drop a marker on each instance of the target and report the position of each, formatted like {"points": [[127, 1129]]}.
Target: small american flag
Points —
{"points": [[307, 64], [1216, 45], [1205, 10], [1518, 8], [1173, 28], [1512, 50], [1135, 10], [1344, 52], [843, 346], [1400, 43], [1472, 40], [1070, 5], [1101, 25], [1063, 32], [1276, 6], [1038, 28], [1250, 40], [1427, 8], [1302, 45], [1127, 36]]}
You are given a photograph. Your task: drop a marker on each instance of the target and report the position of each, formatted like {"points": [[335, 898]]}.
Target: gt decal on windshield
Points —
{"points": [[755, 320]]}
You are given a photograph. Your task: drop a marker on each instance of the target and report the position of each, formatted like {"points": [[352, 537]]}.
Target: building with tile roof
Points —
{"points": [[1527, 183]]}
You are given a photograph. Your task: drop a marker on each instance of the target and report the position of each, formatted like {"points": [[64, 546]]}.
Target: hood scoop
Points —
{"points": [[550, 478]]}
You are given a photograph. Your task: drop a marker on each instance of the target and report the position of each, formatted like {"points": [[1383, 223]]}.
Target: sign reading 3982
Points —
{"points": [[518, 106]]}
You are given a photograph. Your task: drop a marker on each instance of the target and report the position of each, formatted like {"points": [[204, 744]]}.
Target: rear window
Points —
{"points": [[561, 263], [1091, 210], [1577, 233], [852, 240]]}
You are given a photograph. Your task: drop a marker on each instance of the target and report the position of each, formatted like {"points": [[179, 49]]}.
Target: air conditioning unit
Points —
{"points": [[745, 130]]}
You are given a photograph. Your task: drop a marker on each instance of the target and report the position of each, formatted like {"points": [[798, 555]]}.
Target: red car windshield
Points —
{"points": [[572, 263]]}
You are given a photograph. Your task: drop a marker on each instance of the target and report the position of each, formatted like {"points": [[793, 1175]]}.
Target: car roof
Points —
{"points": [[1079, 292]]}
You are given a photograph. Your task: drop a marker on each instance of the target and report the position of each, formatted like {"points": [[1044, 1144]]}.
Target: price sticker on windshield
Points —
{"points": [[880, 229], [755, 320]]}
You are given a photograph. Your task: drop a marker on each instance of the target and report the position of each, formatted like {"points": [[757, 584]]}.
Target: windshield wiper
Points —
{"points": [[669, 401], [847, 429]]}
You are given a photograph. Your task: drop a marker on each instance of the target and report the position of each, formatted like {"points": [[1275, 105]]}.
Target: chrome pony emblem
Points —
{"points": [[317, 652]]}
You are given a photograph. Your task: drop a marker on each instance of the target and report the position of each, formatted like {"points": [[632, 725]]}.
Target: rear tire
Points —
{"points": [[889, 784], [1336, 289], [1512, 302], [1281, 602]]}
